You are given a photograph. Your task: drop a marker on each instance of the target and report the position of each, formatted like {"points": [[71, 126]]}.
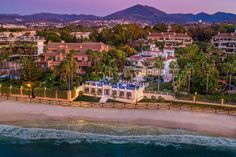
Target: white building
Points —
{"points": [[121, 91], [136, 62], [81, 35]]}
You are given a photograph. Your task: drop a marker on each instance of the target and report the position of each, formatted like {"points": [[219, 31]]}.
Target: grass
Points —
{"points": [[228, 98], [165, 87], [87, 99]]}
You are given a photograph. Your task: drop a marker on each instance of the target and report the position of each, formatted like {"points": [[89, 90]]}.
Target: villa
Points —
{"points": [[172, 39], [136, 62], [121, 91], [225, 42], [57, 53]]}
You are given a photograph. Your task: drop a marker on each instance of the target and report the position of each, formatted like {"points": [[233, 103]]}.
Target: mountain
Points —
{"points": [[140, 13], [151, 15], [45, 17], [137, 13]]}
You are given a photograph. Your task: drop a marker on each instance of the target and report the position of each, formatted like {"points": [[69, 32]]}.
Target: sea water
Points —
{"points": [[78, 138]]}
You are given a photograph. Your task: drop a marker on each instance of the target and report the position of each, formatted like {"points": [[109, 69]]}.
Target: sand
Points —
{"points": [[208, 123]]}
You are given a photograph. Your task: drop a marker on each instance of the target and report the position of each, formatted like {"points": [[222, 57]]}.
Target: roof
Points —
{"points": [[83, 47], [225, 35], [169, 34], [136, 57]]}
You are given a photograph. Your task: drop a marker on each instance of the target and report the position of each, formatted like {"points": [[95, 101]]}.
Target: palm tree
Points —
{"points": [[174, 67], [189, 69], [159, 65], [146, 64], [230, 69], [67, 70], [207, 70]]}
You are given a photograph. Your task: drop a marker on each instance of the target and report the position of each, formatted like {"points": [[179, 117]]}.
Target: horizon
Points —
{"points": [[75, 7]]}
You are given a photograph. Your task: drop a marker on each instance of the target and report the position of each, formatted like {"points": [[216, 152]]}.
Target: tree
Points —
{"points": [[174, 67], [30, 71], [162, 27], [66, 70], [159, 65]]}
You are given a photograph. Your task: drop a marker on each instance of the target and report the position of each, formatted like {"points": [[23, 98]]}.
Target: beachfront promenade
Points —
{"points": [[181, 105]]}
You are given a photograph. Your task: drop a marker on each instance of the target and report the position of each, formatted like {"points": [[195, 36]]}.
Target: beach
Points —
{"points": [[206, 123]]}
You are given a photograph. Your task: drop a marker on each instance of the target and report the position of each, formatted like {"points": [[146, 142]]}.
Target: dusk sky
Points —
{"points": [[105, 7]]}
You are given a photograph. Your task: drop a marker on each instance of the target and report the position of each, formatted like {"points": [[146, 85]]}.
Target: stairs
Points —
{"points": [[104, 99]]}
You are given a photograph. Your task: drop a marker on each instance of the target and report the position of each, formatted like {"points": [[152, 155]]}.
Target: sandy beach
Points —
{"points": [[208, 123]]}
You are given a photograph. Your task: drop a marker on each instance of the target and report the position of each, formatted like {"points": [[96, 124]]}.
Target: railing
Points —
{"points": [[160, 93], [138, 106]]}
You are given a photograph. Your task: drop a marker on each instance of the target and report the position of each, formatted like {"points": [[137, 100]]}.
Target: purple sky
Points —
{"points": [[105, 7]]}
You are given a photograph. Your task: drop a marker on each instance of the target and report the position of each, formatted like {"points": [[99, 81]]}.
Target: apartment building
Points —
{"points": [[171, 39], [225, 42], [57, 52]]}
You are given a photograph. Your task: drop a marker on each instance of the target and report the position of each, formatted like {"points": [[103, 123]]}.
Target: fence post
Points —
{"points": [[44, 92], [10, 90], [222, 101], [69, 95], [56, 94], [21, 90]]}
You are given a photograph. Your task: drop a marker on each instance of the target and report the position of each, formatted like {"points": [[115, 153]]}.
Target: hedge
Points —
{"points": [[5, 90], [62, 94], [51, 93], [15, 91], [39, 92]]}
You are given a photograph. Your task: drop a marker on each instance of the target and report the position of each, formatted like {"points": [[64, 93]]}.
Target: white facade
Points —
{"points": [[136, 62]]}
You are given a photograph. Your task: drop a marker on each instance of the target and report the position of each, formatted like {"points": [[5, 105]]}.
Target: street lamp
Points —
{"points": [[29, 86]]}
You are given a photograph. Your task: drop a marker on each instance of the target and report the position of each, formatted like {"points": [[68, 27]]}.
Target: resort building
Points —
{"points": [[171, 39], [225, 42], [136, 62], [57, 52], [121, 91]]}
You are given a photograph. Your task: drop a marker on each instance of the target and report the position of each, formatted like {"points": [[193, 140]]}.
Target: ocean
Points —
{"points": [[78, 138]]}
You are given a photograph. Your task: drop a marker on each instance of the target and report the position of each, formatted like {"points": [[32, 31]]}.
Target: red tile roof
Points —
{"points": [[82, 47]]}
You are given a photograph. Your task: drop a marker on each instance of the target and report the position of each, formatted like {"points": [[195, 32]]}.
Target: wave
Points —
{"points": [[73, 137]]}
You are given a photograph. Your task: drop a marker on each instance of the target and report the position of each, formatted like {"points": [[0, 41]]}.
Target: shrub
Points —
{"points": [[62, 94], [5, 90], [39, 92], [153, 99], [161, 99], [15, 91]]}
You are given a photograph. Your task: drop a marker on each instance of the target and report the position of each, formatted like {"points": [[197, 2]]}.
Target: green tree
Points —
{"points": [[159, 65]]}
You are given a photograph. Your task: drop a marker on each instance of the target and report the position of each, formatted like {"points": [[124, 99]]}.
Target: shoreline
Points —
{"points": [[206, 123]]}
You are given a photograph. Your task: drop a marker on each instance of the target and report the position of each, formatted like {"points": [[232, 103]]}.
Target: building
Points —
{"points": [[121, 91], [22, 37], [57, 52], [136, 62], [225, 42], [81, 35], [171, 39]]}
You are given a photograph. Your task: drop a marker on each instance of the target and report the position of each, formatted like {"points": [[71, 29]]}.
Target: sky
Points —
{"points": [[105, 7]]}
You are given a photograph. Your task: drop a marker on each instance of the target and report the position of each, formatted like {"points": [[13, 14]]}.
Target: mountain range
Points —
{"points": [[137, 14]]}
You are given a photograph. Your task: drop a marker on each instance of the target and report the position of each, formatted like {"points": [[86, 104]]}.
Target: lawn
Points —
{"points": [[87, 99], [164, 86]]}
